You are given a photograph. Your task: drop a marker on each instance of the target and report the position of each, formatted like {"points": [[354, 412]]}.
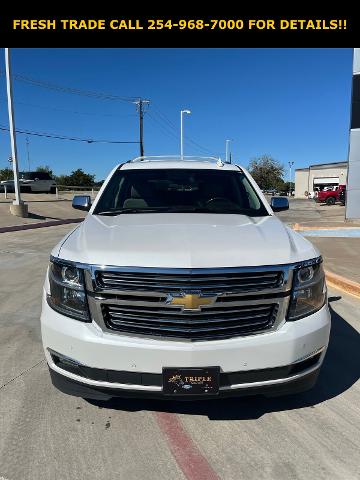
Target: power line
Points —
{"points": [[58, 109], [70, 90], [63, 137], [172, 134], [170, 127], [169, 133]]}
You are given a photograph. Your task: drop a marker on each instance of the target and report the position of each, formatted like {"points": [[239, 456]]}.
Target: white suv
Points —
{"points": [[182, 283], [37, 182]]}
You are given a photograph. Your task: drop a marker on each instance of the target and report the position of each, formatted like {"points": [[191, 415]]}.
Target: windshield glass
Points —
{"points": [[179, 190], [34, 175]]}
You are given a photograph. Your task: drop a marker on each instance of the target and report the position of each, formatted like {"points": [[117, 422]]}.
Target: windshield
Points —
{"points": [[34, 176], [179, 190]]}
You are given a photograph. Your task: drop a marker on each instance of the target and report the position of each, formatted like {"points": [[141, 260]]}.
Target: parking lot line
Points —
{"points": [[187, 455]]}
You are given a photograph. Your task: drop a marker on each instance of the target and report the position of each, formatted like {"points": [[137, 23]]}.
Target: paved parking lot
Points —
{"points": [[46, 207], [308, 212], [42, 208], [45, 434]]}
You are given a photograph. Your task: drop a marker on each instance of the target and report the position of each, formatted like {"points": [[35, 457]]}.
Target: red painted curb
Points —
{"points": [[30, 226], [187, 455]]}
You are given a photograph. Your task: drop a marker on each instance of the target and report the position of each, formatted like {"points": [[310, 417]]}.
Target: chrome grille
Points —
{"points": [[210, 282], [214, 322], [140, 301]]}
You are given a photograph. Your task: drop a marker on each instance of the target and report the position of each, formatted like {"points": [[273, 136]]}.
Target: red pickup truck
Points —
{"points": [[330, 197]]}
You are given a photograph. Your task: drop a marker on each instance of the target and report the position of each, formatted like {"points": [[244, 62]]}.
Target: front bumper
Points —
{"points": [[86, 343]]}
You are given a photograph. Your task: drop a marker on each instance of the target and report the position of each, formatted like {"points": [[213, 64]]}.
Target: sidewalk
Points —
{"points": [[43, 208], [305, 213], [341, 255], [337, 240]]}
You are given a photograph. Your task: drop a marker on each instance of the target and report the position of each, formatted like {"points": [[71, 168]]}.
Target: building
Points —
{"points": [[319, 176], [352, 211]]}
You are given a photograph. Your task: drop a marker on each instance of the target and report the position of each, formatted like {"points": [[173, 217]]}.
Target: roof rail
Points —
{"points": [[176, 158]]}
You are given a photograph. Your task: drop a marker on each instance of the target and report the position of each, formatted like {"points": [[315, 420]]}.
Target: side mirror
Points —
{"points": [[279, 203], [82, 202]]}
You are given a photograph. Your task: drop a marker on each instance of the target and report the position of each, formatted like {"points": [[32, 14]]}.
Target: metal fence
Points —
{"points": [[73, 189], [59, 189]]}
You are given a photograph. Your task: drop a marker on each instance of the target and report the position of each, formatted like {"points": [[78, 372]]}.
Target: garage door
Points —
{"points": [[326, 180]]}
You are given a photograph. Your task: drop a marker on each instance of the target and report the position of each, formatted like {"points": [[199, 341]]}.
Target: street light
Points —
{"points": [[227, 150], [18, 207], [181, 132], [290, 165]]}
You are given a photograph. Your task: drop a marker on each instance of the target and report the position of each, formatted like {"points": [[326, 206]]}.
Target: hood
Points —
{"points": [[184, 240]]}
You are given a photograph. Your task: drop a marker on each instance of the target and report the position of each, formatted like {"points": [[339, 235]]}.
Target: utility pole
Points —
{"points": [[27, 151], [140, 107], [18, 207], [188, 112]]}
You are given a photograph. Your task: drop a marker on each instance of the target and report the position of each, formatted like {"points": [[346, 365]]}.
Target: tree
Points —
{"points": [[6, 174], [77, 178], [287, 186], [45, 168], [267, 172]]}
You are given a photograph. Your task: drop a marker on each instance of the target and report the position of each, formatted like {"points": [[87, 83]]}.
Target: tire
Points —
{"points": [[330, 201], [52, 190]]}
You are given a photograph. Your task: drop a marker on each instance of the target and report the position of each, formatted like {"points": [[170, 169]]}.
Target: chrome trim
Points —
{"points": [[257, 268], [97, 296], [155, 388], [174, 158]]}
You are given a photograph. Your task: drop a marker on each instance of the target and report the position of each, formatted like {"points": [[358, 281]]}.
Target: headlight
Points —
{"points": [[67, 290], [309, 290]]}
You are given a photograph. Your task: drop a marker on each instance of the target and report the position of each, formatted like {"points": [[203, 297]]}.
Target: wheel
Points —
{"points": [[52, 190], [330, 201]]}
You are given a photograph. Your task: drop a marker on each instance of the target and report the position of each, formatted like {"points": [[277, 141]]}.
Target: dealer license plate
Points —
{"points": [[191, 381]]}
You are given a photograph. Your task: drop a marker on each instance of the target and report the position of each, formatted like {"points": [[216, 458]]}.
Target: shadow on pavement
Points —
{"points": [[341, 369], [42, 217]]}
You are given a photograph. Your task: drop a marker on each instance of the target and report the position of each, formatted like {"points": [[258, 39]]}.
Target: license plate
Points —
{"points": [[191, 381]]}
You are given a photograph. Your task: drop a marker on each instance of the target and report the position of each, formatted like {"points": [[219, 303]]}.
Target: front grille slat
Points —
{"points": [[192, 326], [153, 282], [184, 319], [186, 329], [172, 311], [146, 312]]}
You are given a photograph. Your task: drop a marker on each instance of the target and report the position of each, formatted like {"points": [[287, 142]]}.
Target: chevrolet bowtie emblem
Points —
{"points": [[190, 301]]}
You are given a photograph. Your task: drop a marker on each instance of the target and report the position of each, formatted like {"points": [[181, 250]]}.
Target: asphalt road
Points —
{"points": [[45, 434]]}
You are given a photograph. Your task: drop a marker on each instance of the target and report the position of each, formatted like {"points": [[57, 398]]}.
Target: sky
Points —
{"points": [[292, 104]]}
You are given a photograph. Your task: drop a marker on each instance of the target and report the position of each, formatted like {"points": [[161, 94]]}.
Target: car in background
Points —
{"points": [[31, 182], [330, 197], [37, 181]]}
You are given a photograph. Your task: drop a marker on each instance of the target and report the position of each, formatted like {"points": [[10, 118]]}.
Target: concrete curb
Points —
{"points": [[30, 226], [297, 227], [342, 283]]}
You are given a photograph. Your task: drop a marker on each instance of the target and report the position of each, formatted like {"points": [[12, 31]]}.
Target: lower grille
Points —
{"points": [[211, 323]]}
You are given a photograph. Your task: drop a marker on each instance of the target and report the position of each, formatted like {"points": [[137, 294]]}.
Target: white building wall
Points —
{"points": [[353, 189], [303, 183]]}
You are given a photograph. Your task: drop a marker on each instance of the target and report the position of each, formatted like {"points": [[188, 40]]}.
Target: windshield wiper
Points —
{"points": [[119, 211]]}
